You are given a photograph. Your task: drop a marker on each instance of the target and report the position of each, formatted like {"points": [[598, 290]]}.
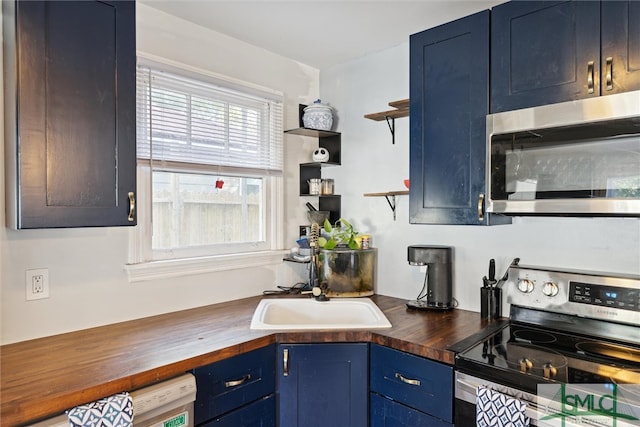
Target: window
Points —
{"points": [[209, 168]]}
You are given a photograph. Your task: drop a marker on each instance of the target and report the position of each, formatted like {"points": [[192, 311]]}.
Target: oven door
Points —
{"points": [[465, 395], [465, 403]]}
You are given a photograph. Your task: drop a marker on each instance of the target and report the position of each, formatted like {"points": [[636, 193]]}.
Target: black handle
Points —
{"points": [[492, 270], [311, 207]]}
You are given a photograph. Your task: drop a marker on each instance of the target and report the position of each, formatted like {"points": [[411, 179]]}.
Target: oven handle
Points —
{"points": [[466, 391]]}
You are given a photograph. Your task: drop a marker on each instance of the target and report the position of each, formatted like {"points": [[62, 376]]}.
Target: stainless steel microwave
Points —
{"points": [[577, 158]]}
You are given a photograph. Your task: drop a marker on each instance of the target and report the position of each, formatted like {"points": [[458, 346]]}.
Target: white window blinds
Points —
{"points": [[180, 119]]}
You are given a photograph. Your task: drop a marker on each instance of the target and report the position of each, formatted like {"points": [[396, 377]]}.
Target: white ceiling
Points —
{"points": [[321, 33]]}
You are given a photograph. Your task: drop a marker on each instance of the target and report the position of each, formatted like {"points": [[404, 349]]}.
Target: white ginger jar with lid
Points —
{"points": [[318, 116]]}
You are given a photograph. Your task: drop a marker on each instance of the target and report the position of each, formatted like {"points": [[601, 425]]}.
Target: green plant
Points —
{"points": [[340, 233]]}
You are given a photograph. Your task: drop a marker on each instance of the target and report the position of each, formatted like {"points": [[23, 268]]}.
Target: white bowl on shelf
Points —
{"points": [[318, 116]]}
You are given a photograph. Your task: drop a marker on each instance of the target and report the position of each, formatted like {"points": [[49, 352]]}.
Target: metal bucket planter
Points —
{"points": [[347, 272]]}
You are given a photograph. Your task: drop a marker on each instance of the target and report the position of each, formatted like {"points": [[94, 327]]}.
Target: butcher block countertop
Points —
{"points": [[43, 377]]}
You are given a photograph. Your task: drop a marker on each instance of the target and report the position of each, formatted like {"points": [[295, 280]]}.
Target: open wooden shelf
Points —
{"points": [[400, 109], [388, 193], [391, 198]]}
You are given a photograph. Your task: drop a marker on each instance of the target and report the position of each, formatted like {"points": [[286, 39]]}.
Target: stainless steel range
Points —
{"points": [[565, 327]]}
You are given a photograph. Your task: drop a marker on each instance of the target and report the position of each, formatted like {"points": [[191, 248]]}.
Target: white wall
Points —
{"points": [[89, 286], [370, 163]]}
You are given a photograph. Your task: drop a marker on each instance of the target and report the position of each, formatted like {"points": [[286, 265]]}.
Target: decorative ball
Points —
{"points": [[321, 155]]}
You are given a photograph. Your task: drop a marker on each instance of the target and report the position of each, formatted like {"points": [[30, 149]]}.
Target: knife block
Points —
{"points": [[490, 302]]}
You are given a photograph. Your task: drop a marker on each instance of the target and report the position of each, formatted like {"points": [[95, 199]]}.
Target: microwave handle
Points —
{"points": [[481, 207]]}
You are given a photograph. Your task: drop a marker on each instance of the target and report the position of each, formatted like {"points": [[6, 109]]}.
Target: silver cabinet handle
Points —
{"points": [[407, 380], [285, 362], [609, 73], [481, 207], [132, 206], [234, 383], [590, 76]]}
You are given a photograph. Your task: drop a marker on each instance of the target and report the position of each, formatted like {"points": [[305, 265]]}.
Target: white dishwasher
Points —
{"points": [[166, 404]]}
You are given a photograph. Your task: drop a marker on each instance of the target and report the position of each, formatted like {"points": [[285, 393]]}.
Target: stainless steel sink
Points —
{"points": [[307, 313]]}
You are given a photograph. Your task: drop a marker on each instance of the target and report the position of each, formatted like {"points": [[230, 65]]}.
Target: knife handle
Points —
{"points": [[492, 270]]}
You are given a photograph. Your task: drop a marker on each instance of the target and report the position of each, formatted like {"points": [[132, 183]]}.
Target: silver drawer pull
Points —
{"points": [[407, 380], [590, 77], [285, 362], [235, 383]]}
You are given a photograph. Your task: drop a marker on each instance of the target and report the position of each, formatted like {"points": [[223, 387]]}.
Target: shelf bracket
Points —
{"points": [[392, 204], [391, 198], [391, 122]]}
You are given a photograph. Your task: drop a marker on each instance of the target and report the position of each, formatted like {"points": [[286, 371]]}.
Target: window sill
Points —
{"points": [[187, 266]]}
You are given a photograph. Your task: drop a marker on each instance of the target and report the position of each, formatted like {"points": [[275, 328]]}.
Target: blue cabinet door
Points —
{"points": [[323, 385], [620, 62], [419, 383], [74, 154], [449, 78], [387, 413], [543, 52], [230, 384]]}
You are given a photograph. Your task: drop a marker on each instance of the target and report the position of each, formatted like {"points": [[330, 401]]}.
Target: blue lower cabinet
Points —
{"points": [[387, 413], [413, 382], [234, 383], [323, 385], [257, 414]]}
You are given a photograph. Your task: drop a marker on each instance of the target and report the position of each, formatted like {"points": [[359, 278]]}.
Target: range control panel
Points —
{"points": [[606, 296], [598, 295]]}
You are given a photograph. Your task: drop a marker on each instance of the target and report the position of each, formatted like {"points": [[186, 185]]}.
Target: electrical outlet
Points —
{"points": [[37, 283]]}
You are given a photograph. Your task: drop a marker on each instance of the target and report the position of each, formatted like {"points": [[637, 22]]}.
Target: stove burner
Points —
{"points": [[533, 336], [609, 350]]}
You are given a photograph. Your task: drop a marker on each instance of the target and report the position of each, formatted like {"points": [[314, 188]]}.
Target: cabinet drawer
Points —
{"points": [[387, 413], [420, 383], [257, 414], [231, 383]]}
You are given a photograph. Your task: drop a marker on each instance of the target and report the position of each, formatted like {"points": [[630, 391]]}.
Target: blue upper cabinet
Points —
{"points": [[70, 103], [620, 62], [543, 52], [449, 85]]}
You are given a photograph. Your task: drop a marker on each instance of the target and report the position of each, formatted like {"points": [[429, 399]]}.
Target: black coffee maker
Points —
{"points": [[436, 293]]}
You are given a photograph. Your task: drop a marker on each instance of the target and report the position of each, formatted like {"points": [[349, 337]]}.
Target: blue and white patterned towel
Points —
{"points": [[112, 411], [494, 409]]}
